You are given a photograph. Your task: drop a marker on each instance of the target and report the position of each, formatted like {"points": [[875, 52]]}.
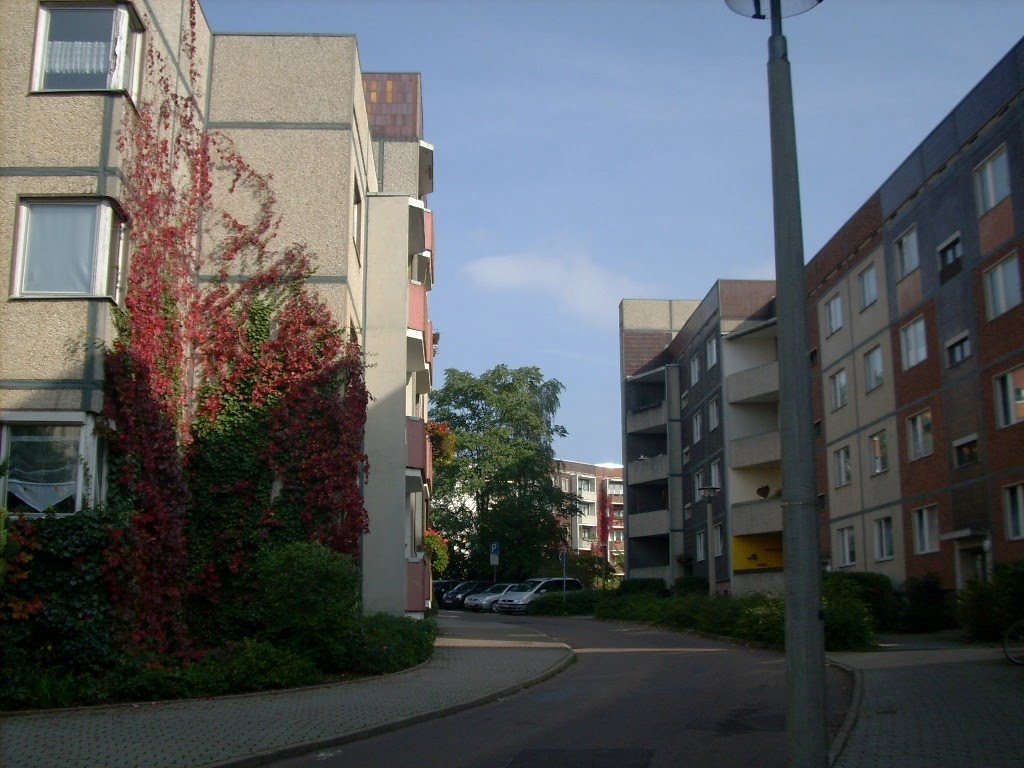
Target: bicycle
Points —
{"points": [[1013, 642]]}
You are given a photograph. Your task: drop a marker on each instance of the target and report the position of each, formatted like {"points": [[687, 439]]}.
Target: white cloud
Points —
{"points": [[571, 280]]}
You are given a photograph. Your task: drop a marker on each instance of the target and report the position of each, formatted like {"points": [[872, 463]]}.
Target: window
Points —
{"points": [[950, 259], [965, 451], [686, 454], [868, 287], [716, 474], [1010, 397], [919, 435], [843, 472], [700, 546], [958, 350], [914, 344], [698, 427], [883, 539], [694, 370], [698, 483], [585, 484], [712, 352], [565, 484], [847, 547], [834, 314], [87, 48], [906, 253], [837, 385], [926, 530], [719, 540], [713, 407], [1002, 287], [587, 508], [45, 453], [67, 248], [879, 453], [614, 487], [1013, 501], [992, 181], [873, 368]]}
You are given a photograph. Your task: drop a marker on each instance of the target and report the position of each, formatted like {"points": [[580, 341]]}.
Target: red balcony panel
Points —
{"points": [[418, 316], [428, 230], [417, 584], [416, 440]]}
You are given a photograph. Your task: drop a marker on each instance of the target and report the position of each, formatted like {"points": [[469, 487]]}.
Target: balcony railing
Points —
{"points": [[754, 517], [648, 469], [754, 385], [756, 450], [647, 419], [652, 523]]}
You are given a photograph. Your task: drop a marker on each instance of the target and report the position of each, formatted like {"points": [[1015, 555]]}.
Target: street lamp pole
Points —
{"points": [[806, 728], [708, 492]]}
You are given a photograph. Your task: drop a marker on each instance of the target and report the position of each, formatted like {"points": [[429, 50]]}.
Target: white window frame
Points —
{"points": [[582, 480], [868, 280], [953, 245], [833, 314], [958, 349], [914, 343], [879, 458], [884, 544], [716, 473], [908, 257], [873, 379], [992, 188], [719, 533], [699, 541], [89, 480], [1002, 287], [614, 488], [694, 369], [1009, 398], [959, 443], [926, 529], [838, 389], [711, 352], [847, 546], [920, 435], [698, 483], [1013, 504], [842, 467], [713, 418], [697, 427], [127, 51], [108, 248]]}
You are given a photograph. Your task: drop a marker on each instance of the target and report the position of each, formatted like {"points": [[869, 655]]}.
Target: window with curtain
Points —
{"points": [[68, 248], [91, 47], [43, 467]]}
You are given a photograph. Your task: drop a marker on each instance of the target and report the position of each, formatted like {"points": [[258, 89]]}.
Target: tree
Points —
{"points": [[498, 486]]}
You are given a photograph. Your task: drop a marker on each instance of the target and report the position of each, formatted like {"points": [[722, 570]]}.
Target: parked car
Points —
{"points": [[487, 600], [440, 587], [456, 596], [519, 596]]}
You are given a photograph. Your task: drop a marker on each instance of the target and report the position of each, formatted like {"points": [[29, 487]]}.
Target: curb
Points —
{"points": [[304, 748], [842, 737]]}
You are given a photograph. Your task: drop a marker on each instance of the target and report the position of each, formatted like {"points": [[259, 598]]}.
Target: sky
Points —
{"points": [[588, 151]]}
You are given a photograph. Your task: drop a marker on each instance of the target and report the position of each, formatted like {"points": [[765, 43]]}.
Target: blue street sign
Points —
{"points": [[495, 549]]}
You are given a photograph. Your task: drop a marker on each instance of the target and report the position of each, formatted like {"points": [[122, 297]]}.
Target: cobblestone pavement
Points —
{"points": [[473, 662], [928, 704]]}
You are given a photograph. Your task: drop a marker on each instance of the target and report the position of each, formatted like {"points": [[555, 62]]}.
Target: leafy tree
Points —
{"points": [[499, 485]]}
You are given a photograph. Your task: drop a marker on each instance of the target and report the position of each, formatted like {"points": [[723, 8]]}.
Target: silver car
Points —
{"points": [[520, 595], [486, 600]]}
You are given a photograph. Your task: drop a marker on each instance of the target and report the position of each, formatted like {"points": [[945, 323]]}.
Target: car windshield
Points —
{"points": [[495, 589], [526, 586]]}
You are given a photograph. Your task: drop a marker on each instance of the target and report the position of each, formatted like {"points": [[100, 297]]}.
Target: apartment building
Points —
{"points": [[351, 173], [701, 437], [918, 324], [591, 482]]}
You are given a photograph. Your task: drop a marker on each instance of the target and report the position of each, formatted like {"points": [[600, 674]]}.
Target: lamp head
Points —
{"points": [[760, 9]]}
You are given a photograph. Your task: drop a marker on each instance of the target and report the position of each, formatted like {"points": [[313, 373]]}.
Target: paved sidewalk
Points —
{"points": [[473, 662], [929, 702]]}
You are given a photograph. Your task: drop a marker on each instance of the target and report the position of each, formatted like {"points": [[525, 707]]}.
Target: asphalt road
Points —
{"points": [[637, 697]]}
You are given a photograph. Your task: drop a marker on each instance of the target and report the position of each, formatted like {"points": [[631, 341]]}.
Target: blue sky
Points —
{"points": [[588, 151]]}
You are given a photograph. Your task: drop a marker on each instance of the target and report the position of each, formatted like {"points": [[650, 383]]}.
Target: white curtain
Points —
{"points": [[77, 57], [60, 248], [43, 464]]}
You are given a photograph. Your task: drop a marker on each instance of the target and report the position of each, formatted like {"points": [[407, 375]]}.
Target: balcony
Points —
{"points": [[755, 451], [754, 385], [756, 517], [648, 469], [654, 523], [651, 418], [419, 455], [419, 335]]}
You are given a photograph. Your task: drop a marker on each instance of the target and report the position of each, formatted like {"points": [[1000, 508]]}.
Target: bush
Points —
{"points": [[847, 622], [641, 586], [687, 585], [928, 607], [986, 609], [578, 603], [251, 665], [306, 599], [874, 589], [381, 643]]}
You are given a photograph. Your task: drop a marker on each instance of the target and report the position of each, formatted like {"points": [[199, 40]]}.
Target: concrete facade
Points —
{"points": [[586, 481], [353, 192]]}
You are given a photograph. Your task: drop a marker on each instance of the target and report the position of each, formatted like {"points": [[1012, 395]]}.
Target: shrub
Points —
{"points": [[381, 643], [686, 585], [986, 609], [927, 607], [641, 586], [847, 622], [251, 665], [875, 589], [578, 603], [306, 599], [763, 619]]}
